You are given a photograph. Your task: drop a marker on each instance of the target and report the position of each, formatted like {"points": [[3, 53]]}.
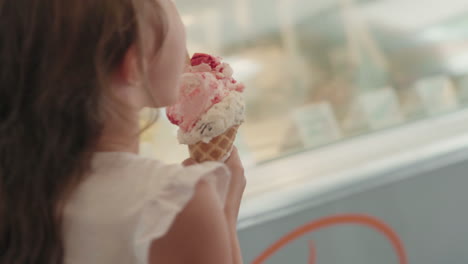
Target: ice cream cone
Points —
{"points": [[208, 95], [218, 149]]}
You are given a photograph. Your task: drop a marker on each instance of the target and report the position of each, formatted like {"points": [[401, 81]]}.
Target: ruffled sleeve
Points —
{"points": [[168, 194]]}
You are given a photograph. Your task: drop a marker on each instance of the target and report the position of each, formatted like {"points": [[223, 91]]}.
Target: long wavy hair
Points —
{"points": [[56, 59]]}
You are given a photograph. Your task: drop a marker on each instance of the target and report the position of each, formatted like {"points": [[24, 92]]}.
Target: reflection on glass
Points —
{"points": [[322, 71]]}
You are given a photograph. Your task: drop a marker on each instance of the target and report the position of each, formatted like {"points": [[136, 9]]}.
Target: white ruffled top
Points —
{"points": [[127, 202]]}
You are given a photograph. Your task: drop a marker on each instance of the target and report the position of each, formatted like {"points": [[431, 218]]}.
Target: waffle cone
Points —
{"points": [[218, 149]]}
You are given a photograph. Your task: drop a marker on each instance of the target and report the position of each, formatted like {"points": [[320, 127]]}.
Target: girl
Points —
{"points": [[73, 76]]}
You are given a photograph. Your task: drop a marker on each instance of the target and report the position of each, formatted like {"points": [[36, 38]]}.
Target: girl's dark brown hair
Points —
{"points": [[56, 57]]}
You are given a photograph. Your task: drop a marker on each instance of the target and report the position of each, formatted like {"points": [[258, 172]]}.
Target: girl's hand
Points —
{"points": [[233, 201], [236, 187], [189, 162]]}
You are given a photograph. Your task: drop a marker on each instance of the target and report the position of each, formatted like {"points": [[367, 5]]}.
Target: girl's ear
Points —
{"points": [[127, 84], [127, 72]]}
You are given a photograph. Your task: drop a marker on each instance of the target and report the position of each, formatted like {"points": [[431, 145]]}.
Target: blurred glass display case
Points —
{"points": [[322, 72], [352, 106]]}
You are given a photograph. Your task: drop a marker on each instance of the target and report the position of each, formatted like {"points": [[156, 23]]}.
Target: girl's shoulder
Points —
{"points": [[140, 195]]}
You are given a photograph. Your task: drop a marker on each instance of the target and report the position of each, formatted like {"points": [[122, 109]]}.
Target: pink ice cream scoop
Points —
{"points": [[201, 58], [205, 83]]}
